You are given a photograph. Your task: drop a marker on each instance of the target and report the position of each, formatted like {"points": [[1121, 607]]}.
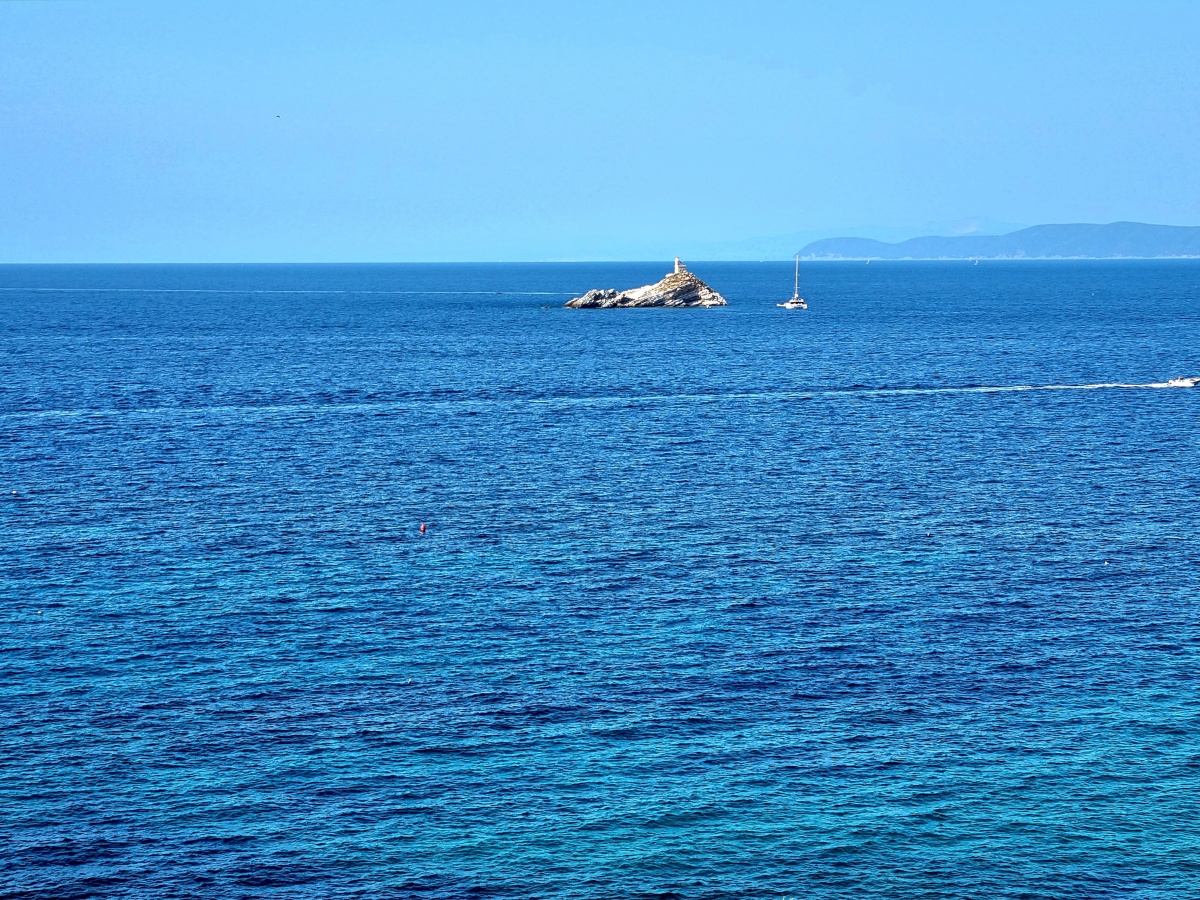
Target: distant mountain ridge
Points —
{"points": [[1119, 240]]}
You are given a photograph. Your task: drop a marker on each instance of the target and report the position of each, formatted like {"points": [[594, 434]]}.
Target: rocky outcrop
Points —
{"points": [[680, 288]]}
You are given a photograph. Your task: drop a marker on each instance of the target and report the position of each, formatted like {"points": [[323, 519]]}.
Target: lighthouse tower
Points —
{"points": [[680, 268]]}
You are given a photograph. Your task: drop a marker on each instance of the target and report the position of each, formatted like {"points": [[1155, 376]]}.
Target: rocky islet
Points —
{"points": [[679, 288]]}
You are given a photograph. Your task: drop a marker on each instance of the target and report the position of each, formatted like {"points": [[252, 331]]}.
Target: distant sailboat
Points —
{"points": [[797, 302]]}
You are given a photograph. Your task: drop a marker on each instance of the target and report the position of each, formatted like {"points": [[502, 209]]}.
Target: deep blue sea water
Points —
{"points": [[712, 603]]}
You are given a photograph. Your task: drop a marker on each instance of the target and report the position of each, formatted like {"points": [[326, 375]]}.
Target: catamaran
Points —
{"points": [[797, 302]]}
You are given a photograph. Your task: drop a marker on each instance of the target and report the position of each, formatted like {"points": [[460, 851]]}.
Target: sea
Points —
{"points": [[896, 597]]}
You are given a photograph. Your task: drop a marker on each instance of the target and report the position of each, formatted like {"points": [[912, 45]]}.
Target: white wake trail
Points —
{"points": [[469, 402], [1001, 388]]}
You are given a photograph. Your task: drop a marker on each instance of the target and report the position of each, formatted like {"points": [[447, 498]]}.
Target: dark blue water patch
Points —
{"points": [[710, 603]]}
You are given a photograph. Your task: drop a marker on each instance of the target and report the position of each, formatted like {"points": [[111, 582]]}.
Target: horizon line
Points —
{"points": [[543, 262]]}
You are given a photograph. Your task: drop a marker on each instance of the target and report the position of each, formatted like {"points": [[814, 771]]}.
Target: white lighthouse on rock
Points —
{"points": [[678, 288]]}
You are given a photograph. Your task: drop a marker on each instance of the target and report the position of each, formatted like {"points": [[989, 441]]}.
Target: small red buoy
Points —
{"points": [[422, 528]]}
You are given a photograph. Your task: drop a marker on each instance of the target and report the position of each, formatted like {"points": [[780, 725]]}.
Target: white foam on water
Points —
{"points": [[467, 402]]}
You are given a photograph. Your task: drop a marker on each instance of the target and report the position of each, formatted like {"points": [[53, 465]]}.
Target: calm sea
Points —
{"points": [[710, 603]]}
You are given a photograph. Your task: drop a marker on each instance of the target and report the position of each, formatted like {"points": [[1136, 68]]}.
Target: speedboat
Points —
{"points": [[1183, 382]]}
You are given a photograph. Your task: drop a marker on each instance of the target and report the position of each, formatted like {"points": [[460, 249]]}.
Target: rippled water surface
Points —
{"points": [[711, 603]]}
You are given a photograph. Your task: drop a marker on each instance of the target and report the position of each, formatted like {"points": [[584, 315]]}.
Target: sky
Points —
{"points": [[458, 131]]}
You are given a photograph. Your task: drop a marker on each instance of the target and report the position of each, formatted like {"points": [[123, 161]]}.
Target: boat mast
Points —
{"points": [[796, 289]]}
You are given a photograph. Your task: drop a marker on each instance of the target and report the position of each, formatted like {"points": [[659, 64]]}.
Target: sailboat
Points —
{"points": [[797, 302]]}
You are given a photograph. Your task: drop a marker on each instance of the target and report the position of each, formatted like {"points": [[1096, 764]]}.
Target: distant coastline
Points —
{"points": [[1118, 240]]}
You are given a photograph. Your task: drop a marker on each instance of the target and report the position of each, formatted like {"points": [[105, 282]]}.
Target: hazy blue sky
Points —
{"points": [[178, 131]]}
